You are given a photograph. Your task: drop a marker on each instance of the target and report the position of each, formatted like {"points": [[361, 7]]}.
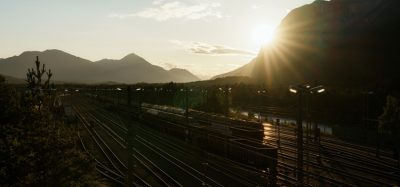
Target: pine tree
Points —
{"points": [[36, 88]]}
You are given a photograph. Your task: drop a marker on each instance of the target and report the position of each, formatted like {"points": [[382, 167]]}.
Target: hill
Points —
{"points": [[349, 43], [230, 80], [68, 68], [13, 80]]}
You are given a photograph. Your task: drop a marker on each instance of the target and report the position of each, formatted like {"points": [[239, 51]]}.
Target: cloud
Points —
{"points": [[162, 11], [211, 49], [157, 2]]}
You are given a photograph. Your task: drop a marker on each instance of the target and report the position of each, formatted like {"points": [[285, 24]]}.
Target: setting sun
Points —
{"points": [[200, 93], [263, 34]]}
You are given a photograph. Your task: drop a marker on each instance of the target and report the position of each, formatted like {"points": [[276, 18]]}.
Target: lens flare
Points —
{"points": [[263, 35]]}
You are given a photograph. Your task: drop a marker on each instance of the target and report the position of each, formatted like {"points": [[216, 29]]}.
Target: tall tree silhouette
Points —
{"points": [[36, 85]]}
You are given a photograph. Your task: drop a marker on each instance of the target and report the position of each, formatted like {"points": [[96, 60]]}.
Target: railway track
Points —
{"points": [[109, 168], [112, 157], [355, 163], [359, 165], [346, 163], [189, 175], [115, 131], [138, 180], [174, 147], [217, 164], [102, 168]]}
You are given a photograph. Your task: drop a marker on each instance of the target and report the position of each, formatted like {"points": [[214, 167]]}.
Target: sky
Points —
{"points": [[207, 37]]}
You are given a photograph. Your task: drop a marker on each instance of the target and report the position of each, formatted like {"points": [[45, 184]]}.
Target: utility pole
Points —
{"points": [[300, 177], [129, 143], [278, 141], [188, 128], [131, 163], [300, 90], [140, 100], [227, 90], [308, 127], [187, 106], [129, 96], [118, 95]]}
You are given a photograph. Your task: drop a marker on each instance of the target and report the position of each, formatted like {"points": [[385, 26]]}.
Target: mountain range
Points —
{"points": [[69, 68], [348, 43]]}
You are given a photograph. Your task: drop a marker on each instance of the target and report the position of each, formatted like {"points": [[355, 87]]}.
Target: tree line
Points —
{"points": [[37, 147]]}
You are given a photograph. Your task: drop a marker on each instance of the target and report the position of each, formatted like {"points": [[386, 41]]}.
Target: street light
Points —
{"points": [[188, 130], [261, 93], [292, 90], [118, 95], [226, 91], [317, 89], [128, 97], [186, 90], [140, 90], [300, 90]]}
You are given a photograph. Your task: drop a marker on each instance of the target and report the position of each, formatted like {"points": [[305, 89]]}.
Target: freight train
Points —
{"points": [[203, 132]]}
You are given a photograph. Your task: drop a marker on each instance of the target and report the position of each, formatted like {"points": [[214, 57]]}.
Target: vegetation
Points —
{"points": [[346, 107], [35, 95], [36, 147], [389, 122]]}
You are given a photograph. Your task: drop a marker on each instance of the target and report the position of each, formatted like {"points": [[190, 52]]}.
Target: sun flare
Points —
{"points": [[263, 35]]}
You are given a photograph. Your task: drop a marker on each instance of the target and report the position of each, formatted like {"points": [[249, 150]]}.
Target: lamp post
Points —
{"points": [[187, 106], [226, 91], [261, 93], [128, 96], [129, 141], [300, 90], [118, 95], [186, 90], [139, 91], [278, 141]]}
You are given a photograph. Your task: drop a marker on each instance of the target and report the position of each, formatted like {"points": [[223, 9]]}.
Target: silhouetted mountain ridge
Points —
{"points": [[350, 43], [13, 80], [133, 58], [69, 68]]}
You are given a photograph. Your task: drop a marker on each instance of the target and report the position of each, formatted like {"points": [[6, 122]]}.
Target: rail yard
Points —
{"points": [[155, 145]]}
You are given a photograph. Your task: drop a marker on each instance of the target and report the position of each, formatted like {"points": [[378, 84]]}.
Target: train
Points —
{"points": [[231, 144]]}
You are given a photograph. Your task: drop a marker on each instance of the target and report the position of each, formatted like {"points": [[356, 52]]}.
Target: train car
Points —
{"points": [[239, 149], [246, 124], [166, 125], [250, 133], [173, 122]]}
